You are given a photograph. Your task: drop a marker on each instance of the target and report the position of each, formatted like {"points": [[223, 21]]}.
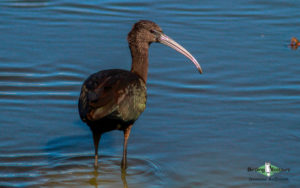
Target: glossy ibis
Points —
{"points": [[114, 99]]}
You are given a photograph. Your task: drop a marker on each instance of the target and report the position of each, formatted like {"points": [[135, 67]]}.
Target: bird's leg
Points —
{"points": [[126, 136], [96, 138]]}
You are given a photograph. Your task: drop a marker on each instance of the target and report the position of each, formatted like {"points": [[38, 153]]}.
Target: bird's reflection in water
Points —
{"points": [[94, 180], [123, 177]]}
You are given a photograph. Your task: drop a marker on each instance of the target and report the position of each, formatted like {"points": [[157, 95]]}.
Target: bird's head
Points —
{"points": [[146, 32]]}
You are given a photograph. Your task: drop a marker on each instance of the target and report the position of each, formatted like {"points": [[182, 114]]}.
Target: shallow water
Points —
{"points": [[197, 130]]}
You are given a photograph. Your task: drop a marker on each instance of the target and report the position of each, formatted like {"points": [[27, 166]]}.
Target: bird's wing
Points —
{"points": [[100, 96]]}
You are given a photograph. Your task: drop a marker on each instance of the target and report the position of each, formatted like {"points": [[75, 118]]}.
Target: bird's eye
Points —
{"points": [[157, 33]]}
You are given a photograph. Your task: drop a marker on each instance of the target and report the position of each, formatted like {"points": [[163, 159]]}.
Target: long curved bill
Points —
{"points": [[164, 39]]}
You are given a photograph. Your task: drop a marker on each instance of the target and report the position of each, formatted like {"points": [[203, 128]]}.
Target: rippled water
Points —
{"points": [[198, 130]]}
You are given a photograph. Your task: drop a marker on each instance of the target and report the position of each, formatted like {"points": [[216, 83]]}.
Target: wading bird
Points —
{"points": [[114, 99]]}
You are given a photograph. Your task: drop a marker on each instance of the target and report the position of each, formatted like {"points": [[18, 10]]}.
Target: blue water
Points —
{"points": [[197, 130]]}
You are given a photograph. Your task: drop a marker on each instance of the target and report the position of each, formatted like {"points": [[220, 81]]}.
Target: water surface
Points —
{"points": [[197, 130]]}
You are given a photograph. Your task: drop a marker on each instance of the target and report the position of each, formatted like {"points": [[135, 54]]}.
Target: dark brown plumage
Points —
{"points": [[114, 99]]}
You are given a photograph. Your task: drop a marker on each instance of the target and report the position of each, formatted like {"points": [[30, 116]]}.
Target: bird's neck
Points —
{"points": [[139, 54]]}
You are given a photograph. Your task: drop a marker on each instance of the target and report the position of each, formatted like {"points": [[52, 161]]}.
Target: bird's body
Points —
{"points": [[114, 99], [107, 96]]}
